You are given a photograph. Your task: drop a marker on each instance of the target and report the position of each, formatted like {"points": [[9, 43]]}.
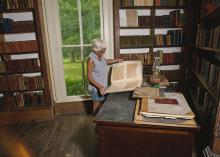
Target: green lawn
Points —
{"points": [[73, 77]]}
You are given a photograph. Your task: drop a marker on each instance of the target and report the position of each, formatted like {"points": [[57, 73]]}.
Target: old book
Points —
{"points": [[166, 108], [125, 76], [140, 92]]}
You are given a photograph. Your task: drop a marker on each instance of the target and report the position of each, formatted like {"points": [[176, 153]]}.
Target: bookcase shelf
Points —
{"points": [[19, 53], [18, 85], [152, 7], [150, 24], [210, 50], [17, 10], [204, 74]]}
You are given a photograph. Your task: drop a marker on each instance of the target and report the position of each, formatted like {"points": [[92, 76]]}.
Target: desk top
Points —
{"points": [[119, 109]]}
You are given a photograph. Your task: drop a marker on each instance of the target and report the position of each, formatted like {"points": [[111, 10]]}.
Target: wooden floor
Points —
{"points": [[69, 135]]}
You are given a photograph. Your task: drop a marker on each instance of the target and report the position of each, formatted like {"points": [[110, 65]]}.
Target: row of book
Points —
{"points": [[172, 38], [209, 71], [9, 26], [175, 18], [209, 5], [136, 2], [207, 37], [18, 46], [20, 100], [5, 25], [172, 75], [20, 66], [205, 105], [169, 58], [20, 82], [130, 18], [16, 4], [147, 58], [135, 41], [151, 2], [169, 2]]}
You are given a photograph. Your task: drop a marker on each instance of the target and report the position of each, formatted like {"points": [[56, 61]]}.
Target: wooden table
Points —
{"points": [[119, 136]]}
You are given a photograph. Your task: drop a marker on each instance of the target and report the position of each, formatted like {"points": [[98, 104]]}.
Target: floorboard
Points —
{"points": [[68, 135]]}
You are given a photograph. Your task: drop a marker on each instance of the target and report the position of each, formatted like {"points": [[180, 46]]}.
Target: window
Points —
{"points": [[70, 26], [80, 23]]}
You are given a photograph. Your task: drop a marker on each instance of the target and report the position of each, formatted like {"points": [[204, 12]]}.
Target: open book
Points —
{"points": [[125, 76]]}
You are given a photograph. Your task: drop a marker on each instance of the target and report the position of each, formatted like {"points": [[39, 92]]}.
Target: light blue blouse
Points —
{"points": [[100, 71]]}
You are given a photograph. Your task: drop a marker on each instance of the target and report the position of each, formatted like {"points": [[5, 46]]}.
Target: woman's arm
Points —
{"points": [[112, 61], [90, 67]]}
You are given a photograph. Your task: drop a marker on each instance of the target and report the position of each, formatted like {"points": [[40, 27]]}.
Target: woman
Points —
{"points": [[97, 72]]}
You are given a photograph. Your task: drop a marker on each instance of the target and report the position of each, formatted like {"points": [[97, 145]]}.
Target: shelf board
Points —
{"points": [[167, 46], [135, 47], [205, 85], [152, 27], [152, 7], [213, 15], [21, 91], [14, 73], [17, 10], [209, 49], [20, 32], [150, 47], [19, 53]]}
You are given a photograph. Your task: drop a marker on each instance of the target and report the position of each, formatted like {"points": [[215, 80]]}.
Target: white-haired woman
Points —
{"points": [[97, 72]]}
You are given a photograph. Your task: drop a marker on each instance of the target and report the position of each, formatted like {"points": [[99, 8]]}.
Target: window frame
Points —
{"points": [[52, 28]]}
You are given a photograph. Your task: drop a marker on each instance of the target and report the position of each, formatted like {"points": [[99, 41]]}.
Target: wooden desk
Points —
{"points": [[119, 136]]}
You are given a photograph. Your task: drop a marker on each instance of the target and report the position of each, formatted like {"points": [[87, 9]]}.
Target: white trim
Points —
{"points": [[107, 9], [53, 36]]}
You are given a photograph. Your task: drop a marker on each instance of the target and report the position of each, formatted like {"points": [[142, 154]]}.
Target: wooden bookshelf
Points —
{"points": [[207, 79], [32, 94], [152, 27]]}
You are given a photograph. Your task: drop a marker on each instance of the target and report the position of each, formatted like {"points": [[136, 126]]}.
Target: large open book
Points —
{"points": [[125, 76]]}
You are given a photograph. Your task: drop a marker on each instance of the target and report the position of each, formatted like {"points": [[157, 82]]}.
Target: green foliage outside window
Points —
{"points": [[70, 31]]}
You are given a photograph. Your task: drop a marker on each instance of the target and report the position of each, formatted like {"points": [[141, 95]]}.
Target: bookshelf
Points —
{"points": [[24, 87], [204, 76], [142, 29]]}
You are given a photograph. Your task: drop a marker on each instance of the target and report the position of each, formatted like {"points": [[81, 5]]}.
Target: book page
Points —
{"points": [[125, 76]]}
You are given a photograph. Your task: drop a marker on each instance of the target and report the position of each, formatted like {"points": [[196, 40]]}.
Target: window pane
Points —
{"points": [[73, 71], [69, 22], [90, 19]]}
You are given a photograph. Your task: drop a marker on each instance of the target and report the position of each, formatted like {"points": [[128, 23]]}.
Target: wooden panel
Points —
{"points": [[131, 142], [74, 107], [26, 115], [216, 146]]}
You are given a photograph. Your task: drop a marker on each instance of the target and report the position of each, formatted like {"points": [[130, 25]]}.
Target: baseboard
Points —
{"points": [[74, 107], [27, 116]]}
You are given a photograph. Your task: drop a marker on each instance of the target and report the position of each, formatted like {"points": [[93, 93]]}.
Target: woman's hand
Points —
{"points": [[102, 91]]}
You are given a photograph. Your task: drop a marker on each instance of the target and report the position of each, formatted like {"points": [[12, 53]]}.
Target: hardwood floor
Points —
{"points": [[69, 135]]}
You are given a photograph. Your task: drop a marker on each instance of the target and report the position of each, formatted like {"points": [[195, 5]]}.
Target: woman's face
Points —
{"points": [[101, 52]]}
